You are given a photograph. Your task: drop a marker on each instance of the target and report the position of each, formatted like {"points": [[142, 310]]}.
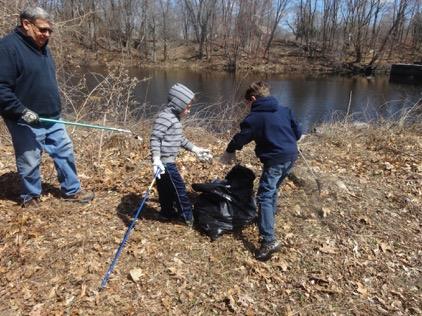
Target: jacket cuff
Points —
{"points": [[17, 111]]}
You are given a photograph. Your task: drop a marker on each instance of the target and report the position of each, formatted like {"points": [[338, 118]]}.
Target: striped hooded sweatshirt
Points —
{"points": [[167, 135]]}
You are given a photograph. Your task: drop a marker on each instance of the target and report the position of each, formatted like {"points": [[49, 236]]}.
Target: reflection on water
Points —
{"points": [[313, 100]]}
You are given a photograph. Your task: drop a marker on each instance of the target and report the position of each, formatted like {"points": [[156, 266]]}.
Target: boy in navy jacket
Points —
{"points": [[275, 132]]}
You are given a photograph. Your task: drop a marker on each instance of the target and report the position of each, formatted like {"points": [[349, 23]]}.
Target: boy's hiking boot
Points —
{"points": [[267, 249], [32, 203], [82, 196]]}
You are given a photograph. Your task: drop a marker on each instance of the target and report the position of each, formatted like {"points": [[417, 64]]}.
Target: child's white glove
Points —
{"points": [[158, 165], [202, 153], [228, 158]]}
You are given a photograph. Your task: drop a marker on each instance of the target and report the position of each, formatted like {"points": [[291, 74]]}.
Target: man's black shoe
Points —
{"points": [[267, 249]]}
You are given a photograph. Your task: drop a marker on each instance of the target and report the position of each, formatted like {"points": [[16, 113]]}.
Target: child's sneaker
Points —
{"points": [[31, 203], [189, 223], [267, 249], [188, 219]]}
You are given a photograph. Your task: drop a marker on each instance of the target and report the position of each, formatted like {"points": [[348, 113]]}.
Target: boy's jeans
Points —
{"points": [[172, 190], [29, 143], [269, 183]]}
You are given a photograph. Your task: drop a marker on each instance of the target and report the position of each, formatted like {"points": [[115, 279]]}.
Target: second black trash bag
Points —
{"points": [[225, 205]]}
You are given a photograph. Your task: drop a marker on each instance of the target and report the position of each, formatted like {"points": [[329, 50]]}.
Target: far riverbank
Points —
{"points": [[313, 98]]}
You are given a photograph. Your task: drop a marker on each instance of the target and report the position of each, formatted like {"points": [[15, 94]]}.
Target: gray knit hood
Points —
{"points": [[179, 97]]}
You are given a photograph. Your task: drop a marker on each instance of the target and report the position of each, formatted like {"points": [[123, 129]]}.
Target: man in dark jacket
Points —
{"points": [[29, 90], [275, 132]]}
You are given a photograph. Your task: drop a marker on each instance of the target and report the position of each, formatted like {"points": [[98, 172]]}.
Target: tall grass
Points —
{"points": [[111, 95], [406, 115], [218, 118]]}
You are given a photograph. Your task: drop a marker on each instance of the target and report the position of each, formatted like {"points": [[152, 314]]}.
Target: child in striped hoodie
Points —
{"points": [[166, 140]]}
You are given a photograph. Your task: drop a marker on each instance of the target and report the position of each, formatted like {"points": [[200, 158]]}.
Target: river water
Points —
{"points": [[312, 99]]}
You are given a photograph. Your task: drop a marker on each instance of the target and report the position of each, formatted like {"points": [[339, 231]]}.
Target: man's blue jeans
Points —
{"points": [[269, 183], [29, 142], [172, 193]]}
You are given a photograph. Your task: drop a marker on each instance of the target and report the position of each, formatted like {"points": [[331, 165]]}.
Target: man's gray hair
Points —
{"points": [[33, 13]]}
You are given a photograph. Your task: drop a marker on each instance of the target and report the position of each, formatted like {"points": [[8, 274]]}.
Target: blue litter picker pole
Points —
{"points": [[126, 236], [86, 125]]}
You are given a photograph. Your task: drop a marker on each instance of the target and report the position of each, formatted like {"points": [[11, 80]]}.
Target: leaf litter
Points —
{"points": [[354, 247]]}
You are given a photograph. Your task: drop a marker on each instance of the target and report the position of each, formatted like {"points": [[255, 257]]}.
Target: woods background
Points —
{"points": [[359, 34]]}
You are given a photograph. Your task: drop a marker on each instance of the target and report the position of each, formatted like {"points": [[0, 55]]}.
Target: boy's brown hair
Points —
{"points": [[257, 89]]}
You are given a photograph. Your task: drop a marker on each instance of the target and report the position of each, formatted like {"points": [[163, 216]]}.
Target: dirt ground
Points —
{"points": [[354, 247]]}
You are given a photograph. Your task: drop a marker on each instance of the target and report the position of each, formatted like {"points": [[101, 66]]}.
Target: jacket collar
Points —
{"points": [[265, 104], [29, 41]]}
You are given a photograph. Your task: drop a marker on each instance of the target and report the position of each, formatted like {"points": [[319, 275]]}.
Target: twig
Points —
{"points": [[101, 140], [348, 106], [317, 180]]}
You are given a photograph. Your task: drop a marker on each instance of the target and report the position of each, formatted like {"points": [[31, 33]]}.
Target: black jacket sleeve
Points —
{"points": [[242, 138], [10, 105]]}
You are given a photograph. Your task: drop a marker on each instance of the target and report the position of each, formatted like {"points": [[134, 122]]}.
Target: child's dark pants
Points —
{"points": [[172, 193]]}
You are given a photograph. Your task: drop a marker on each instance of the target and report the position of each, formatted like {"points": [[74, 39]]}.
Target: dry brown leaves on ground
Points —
{"points": [[352, 248]]}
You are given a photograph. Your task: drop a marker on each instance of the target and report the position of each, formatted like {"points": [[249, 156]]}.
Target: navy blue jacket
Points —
{"points": [[274, 130], [27, 78]]}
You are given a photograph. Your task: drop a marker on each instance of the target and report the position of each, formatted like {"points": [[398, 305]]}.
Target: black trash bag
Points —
{"points": [[225, 205]]}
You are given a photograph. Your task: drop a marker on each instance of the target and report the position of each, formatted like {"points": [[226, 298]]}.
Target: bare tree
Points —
{"points": [[330, 24], [305, 24], [200, 12], [278, 14], [392, 33], [355, 32], [165, 7], [416, 30]]}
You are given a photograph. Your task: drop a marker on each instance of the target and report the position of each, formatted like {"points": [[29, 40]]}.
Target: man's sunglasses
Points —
{"points": [[43, 30]]}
